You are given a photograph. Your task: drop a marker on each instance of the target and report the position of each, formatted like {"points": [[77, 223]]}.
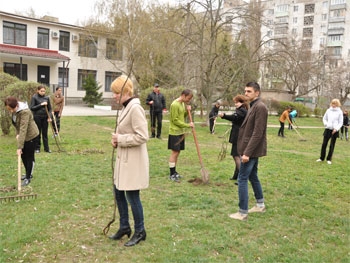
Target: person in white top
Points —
{"points": [[333, 121]]}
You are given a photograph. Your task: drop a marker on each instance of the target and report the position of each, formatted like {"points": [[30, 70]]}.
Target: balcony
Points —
{"points": [[335, 7], [336, 31], [337, 43]]}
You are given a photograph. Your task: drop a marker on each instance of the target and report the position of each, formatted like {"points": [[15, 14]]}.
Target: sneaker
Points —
{"points": [[319, 160], [257, 209], [25, 182], [24, 177], [329, 162], [37, 151], [174, 178], [239, 216], [177, 175]]}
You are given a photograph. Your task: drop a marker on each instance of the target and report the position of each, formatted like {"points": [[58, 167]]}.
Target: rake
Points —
{"points": [[204, 172], [302, 139], [19, 188]]}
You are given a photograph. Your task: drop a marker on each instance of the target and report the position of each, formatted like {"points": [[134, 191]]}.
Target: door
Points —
{"points": [[44, 75]]}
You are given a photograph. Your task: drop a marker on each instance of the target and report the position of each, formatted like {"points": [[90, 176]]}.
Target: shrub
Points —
{"points": [[92, 96]]}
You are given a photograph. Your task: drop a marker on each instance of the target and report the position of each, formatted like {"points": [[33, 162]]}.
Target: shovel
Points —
{"points": [[204, 172]]}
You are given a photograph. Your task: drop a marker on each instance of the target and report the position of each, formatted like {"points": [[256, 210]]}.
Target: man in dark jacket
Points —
{"points": [[251, 145], [156, 101]]}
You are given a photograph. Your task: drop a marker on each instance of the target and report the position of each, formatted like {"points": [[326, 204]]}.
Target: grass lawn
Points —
{"points": [[307, 217]]}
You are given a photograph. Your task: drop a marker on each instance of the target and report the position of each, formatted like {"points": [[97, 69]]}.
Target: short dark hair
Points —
{"points": [[58, 88], [253, 85], [186, 92], [12, 102]]}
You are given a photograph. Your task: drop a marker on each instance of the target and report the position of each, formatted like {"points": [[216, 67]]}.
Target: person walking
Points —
{"points": [[284, 116], [236, 118], [213, 114], [58, 103], [41, 108], [26, 134], [252, 144], [333, 121], [345, 128], [156, 101], [176, 141], [131, 170]]}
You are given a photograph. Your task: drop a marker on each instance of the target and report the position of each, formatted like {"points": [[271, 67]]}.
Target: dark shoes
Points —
{"points": [[121, 233], [25, 182], [48, 151], [136, 238], [24, 177]]}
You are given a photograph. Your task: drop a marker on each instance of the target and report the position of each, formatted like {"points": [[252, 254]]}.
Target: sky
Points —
{"points": [[68, 11]]}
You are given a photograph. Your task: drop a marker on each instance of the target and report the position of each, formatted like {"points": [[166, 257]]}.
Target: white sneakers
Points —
{"points": [[319, 160], [239, 216], [257, 209], [244, 217]]}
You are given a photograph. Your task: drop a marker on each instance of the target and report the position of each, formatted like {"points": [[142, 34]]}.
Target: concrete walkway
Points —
{"points": [[82, 110]]}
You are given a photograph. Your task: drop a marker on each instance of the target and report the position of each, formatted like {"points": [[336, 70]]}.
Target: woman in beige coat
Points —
{"points": [[131, 172]]}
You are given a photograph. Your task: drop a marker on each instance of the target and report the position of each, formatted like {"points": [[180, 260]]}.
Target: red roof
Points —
{"points": [[32, 52]]}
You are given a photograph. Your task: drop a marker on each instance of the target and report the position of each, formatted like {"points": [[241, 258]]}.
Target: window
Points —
{"points": [[64, 44], [307, 43], [295, 20], [335, 38], [294, 31], [307, 32], [15, 70], [324, 17], [325, 4], [109, 77], [270, 12], [282, 8], [308, 20], [296, 8], [309, 9], [114, 50], [87, 46], [337, 2], [43, 38], [322, 41], [336, 51], [337, 13], [269, 33], [63, 74], [323, 29], [83, 74], [15, 34]]}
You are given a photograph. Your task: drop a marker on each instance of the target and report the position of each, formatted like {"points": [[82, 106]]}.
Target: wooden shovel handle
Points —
{"points": [[195, 139]]}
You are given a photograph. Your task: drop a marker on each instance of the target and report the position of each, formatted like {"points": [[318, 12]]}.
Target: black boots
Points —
{"points": [[121, 233], [136, 238]]}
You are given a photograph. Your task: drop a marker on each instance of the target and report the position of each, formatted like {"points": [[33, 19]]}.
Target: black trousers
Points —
{"points": [[281, 130], [28, 157], [58, 122], [43, 125], [327, 134], [156, 120]]}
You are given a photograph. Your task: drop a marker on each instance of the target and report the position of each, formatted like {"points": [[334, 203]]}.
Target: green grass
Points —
{"points": [[307, 217]]}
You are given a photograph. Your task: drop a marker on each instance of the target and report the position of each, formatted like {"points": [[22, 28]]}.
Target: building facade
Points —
{"points": [[56, 54]]}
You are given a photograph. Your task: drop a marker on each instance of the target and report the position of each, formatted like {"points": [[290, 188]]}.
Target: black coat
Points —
{"points": [[158, 102], [37, 108], [237, 119]]}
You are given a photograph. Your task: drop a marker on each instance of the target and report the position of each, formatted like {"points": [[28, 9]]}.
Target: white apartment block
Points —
{"points": [[56, 54]]}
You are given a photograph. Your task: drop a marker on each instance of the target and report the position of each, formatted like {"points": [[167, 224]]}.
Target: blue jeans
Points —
{"points": [[133, 197], [249, 171]]}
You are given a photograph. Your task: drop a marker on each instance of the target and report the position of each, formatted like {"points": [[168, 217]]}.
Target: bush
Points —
{"points": [[12, 86], [92, 96]]}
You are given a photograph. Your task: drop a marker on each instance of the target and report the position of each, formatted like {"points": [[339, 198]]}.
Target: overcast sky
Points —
{"points": [[68, 11]]}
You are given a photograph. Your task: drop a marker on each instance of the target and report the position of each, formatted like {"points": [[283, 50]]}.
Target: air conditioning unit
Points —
{"points": [[75, 38], [55, 34]]}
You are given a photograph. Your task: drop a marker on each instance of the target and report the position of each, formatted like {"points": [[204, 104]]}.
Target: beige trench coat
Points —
{"points": [[131, 170]]}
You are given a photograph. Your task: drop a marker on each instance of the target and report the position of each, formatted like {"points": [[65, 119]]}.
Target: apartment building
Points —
{"points": [[57, 54]]}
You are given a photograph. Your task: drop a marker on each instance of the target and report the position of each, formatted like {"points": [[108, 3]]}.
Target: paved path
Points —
{"points": [[82, 110]]}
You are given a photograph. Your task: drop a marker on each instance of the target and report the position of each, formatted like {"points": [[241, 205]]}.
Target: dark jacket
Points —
{"points": [[26, 128], [158, 102], [237, 119], [214, 112], [37, 109], [252, 134]]}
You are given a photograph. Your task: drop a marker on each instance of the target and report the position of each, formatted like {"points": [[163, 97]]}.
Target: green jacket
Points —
{"points": [[26, 128], [178, 113]]}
